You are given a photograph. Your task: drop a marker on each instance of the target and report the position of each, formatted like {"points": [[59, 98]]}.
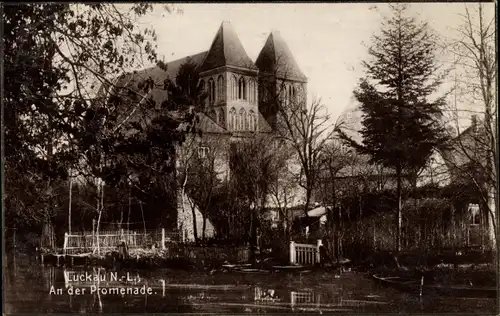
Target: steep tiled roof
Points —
{"points": [[159, 75], [207, 125], [276, 58], [263, 125], [467, 147], [226, 50]]}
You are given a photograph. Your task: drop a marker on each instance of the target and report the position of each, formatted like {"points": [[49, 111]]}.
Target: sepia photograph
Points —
{"points": [[249, 158]]}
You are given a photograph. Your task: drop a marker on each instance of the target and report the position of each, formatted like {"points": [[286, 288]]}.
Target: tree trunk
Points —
{"points": [[253, 235], [129, 209], [492, 219], [69, 207], [308, 200], [204, 226], [195, 227], [100, 208], [399, 217]]}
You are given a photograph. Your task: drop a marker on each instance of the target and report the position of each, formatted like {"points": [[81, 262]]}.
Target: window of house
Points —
{"points": [[203, 151], [475, 215], [242, 93], [220, 88]]}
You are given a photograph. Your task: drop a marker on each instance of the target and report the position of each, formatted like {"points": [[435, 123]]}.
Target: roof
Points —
{"points": [[226, 50], [158, 93], [317, 212], [276, 58], [467, 145], [207, 125], [264, 126]]}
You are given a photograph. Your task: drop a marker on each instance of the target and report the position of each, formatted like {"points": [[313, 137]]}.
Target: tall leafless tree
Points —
{"points": [[476, 82]]}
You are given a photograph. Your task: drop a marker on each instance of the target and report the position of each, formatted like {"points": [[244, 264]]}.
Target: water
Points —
{"points": [[28, 286]]}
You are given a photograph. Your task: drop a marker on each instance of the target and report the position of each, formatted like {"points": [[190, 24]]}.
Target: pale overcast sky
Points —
{"points": [[327, 40]]}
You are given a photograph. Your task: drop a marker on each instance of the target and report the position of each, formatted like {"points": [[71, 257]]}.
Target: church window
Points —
{"points": [[237, 122], [234, 88], [220, 88], [232, 119], [242, 92], [242, 120], [250, 91], [252, 121], [211, 91]]}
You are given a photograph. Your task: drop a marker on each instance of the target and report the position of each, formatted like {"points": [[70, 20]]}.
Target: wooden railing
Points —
{"points": [[106, 240], [304, 254]]}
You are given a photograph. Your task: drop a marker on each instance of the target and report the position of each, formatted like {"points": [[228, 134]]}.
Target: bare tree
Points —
{"points": [[206, 173], [257, 168], [283, 191], [476, 81], [306, 131]]}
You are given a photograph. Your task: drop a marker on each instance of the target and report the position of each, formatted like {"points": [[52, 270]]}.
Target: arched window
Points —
{"points": [[242, 89], [242, 119], [232, 119], [251, 120], [211, 91], [220, 88], [237, 122], [234, 88], [252, 91], [301, 94], [217, 118], [294, 95]]}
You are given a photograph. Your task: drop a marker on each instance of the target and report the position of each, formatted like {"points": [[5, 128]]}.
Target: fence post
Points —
{"points": [[318, 254], [163, 238], [292, 252], [65, 243]]}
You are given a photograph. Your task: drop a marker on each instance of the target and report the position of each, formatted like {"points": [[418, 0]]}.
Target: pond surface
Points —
{"points": [[34, 288]]}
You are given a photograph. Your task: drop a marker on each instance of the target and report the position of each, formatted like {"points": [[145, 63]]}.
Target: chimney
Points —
{"points": [[473, 122]]}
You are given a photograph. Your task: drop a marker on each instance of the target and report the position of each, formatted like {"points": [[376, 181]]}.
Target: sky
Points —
{"points": [[328, 41]]}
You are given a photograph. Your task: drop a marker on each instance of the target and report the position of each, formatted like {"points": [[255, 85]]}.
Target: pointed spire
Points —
{"points": [[276, 57], [226, 50]]}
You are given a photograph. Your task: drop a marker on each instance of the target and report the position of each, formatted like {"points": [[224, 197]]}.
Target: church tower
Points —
{"points": [[230, 80], [281, 82]]}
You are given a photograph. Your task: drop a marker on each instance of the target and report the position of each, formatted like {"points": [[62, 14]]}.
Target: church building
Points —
{"points": [[238, 99]]}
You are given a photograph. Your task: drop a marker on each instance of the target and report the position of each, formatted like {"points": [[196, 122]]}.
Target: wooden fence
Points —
{"points": [[305, 254], [106, 240]]}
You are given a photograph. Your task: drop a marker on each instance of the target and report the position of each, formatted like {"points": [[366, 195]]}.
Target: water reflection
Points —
{"points": [[89, 290]]}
